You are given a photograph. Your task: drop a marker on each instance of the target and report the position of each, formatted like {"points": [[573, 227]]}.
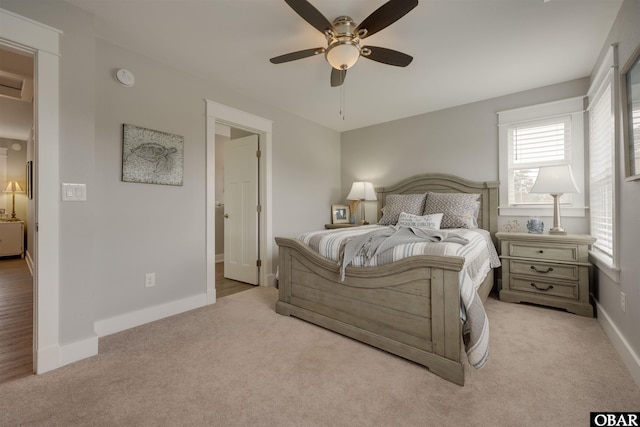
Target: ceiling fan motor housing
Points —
{"points": [[344, 44]]}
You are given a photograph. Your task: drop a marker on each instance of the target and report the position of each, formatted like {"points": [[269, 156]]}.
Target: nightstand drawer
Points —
{"points": [[542, 287], [544, 270], [541, 251]]}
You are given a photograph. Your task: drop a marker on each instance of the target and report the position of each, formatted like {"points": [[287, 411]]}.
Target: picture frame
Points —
{"points": [[151, 157], [630, 85], [340, 214]]}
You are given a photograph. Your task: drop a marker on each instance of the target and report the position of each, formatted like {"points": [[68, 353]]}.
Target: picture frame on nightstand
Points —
{"points": [[340, 214]]}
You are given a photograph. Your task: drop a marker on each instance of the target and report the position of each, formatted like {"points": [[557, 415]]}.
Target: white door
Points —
{"points": [[241, 209]]}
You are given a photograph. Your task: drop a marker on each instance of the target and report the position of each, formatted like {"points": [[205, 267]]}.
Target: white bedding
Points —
{"points": [[480, 255]]}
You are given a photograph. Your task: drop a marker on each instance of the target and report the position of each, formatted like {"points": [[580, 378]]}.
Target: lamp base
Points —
{"points": [[558, 231]]}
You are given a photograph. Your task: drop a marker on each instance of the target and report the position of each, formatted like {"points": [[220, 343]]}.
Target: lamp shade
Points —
{"points": [[362, 191], [555, 180], [13, 186]]}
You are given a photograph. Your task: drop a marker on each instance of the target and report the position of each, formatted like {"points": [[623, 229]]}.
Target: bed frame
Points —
{"points": [[410, 308]]}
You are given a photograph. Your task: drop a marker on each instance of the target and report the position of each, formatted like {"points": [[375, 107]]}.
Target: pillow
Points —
{"points": [[397, 203], [476, 212], [427, 221], [459, 209]]}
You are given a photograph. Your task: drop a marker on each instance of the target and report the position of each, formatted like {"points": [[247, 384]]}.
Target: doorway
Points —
{"points": [[16, 151], [218, 114], [42, 42]]}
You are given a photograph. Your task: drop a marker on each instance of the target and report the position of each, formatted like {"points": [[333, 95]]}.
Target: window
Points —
{"points": [[531, 145], [602, 142], [542, 135]]}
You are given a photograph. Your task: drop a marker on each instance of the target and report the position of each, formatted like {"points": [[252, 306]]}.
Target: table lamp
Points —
{"points": [[13, 187], [362, 191], [555, 180]]}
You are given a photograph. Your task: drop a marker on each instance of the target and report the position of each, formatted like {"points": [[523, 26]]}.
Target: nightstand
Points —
{"points": [[551, 270], [340, 225], [11, 238]]}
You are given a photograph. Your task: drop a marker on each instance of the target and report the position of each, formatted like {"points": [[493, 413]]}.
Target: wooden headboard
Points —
{"points": [[443, 183]]}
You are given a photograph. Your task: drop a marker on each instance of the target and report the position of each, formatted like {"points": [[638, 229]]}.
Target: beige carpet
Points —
{"points": [[240, 363]]}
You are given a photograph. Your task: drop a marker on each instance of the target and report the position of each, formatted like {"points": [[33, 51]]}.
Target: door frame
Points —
{"points": [[221, 114], [44, 43]]}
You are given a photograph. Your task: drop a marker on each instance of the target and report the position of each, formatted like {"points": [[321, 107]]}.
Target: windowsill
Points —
{"points": [[565, 211], [605, 264]]}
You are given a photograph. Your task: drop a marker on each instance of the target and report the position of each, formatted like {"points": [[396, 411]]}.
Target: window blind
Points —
{"points": [[535, 144], [601, 155]]}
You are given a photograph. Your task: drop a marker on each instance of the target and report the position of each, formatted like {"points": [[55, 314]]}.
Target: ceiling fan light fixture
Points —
{"points": [[343, 54]]}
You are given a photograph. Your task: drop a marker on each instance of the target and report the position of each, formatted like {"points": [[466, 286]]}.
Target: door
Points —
{"points": [[241, 209]]}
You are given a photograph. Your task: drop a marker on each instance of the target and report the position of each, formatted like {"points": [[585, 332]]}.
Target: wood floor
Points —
{"points": [[225, 287], [16, 319]]}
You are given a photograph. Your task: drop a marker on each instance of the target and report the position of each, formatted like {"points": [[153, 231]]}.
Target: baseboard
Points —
{"points": [[70, 353], [140, 317], [48, 359], [628, 356], [271, 280]]}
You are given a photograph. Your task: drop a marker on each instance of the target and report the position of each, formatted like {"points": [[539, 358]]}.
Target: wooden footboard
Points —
{"points": [[410, 308]]}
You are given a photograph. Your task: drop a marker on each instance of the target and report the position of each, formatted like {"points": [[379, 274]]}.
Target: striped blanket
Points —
{"points": [[478, 251]]}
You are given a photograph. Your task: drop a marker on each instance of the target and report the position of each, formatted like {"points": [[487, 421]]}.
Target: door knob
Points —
{"points": [[226, 215]]}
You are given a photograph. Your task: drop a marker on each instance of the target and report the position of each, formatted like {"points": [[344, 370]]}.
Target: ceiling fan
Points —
{"points": [[344, 37]]}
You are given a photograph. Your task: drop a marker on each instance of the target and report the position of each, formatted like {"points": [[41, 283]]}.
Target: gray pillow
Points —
{"points": [[458, 209], [397, 203]]}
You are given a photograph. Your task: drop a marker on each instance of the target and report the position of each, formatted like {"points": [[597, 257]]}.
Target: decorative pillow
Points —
{"points": [[476, 212], [426, 221], [397, 203], [458, 208]]}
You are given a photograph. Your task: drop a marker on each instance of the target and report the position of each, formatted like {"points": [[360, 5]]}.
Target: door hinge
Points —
{"points": [[259, 208], [259, 263], [258, 153]]}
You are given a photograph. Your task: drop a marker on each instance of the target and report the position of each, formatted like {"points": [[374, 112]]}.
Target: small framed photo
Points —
{"points": [[340, 214]]}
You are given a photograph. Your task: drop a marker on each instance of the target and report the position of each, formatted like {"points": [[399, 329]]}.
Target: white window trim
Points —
{"points": [[607, 74], [571, 106]]}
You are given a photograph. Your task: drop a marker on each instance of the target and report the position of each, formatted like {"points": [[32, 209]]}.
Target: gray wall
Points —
{"points": [[460, 141], [124, 229]]}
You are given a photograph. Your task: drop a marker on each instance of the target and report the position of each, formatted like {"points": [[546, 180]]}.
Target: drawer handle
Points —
{"points": [[540, 251], [542, 289], [548, 270]]}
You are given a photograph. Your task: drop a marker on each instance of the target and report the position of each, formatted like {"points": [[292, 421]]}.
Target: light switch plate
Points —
{"points": [[74, 192]]}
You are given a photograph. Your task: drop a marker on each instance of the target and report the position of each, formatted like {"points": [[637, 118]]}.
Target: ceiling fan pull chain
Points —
{"points": [[342, 101]]}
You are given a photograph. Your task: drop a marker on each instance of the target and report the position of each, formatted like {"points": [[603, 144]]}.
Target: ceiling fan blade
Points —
{"points": [[385, 15], [337, 77], [388, 56], [292, 56], [310, 14]]}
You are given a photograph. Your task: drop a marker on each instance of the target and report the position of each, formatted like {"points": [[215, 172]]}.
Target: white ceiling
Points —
{"points": [[464, 50]]}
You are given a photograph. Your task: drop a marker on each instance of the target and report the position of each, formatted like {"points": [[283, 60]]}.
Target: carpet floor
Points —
{"points": [[238, 363]]}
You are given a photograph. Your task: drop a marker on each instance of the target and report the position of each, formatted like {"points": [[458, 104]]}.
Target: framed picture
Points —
{"points": [[630, 80], [151, 157], [340, 214]]}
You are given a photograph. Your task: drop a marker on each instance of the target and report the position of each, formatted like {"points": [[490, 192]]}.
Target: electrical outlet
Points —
{"points": [[623, 302], [149, 280]]}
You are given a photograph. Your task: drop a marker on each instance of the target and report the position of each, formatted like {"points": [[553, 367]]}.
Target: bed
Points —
{"points": [[411, 307]]}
